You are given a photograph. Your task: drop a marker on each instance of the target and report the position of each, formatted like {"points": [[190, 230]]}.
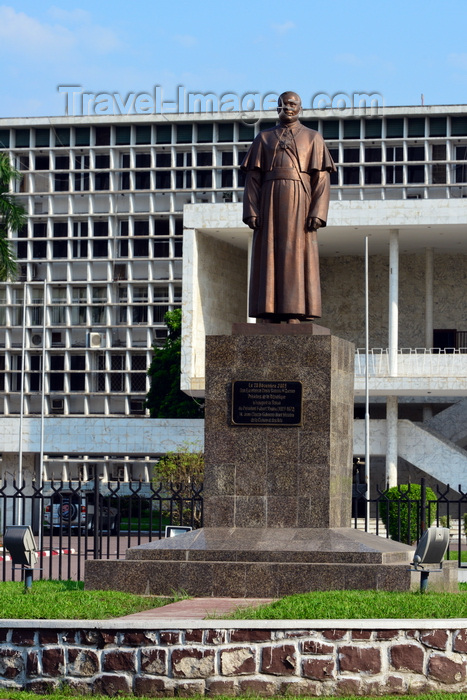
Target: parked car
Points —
{"points": [[70, 509]]}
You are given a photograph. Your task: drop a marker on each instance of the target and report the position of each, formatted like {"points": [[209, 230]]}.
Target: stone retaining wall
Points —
{"points": [[214, 657]]}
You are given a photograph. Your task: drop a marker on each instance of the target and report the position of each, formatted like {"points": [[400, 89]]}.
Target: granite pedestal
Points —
{"points": [[277, 497]]}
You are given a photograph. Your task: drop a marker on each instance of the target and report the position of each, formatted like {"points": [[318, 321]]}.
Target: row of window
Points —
{"points": [[117, 373], [421, 173], [210, 132], [140, 160], [138, 180], [83, 248], [204, 159]]}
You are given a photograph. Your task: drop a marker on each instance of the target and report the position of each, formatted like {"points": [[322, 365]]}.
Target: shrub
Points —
{"points": [[402, 501]]}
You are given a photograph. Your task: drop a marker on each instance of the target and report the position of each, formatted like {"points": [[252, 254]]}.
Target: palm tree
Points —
{"points": [[12, 217]]}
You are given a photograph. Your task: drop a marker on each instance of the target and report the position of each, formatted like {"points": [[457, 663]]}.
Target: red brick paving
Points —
{"points": [[197, 608]]}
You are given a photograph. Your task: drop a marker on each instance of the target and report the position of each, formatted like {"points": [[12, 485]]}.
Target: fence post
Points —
{"points": [[423, 505], [96, 519]]}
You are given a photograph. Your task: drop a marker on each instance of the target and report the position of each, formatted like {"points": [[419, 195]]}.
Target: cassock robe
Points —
{"points": [[287, 181]]}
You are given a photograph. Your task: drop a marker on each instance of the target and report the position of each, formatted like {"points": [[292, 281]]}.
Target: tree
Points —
{"points": [[12, 217], [400, 510], [183, 467], [165, 398]]}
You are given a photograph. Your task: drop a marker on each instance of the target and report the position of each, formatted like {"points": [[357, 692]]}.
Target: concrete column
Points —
{"points": [[393, 300], [391, 440], [428, 297]]}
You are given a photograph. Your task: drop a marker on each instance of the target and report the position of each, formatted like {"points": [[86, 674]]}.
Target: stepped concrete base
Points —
{"points": [[268, 562]]}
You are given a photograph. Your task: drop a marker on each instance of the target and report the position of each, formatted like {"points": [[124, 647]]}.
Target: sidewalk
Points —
{"points": [[196, 608]]}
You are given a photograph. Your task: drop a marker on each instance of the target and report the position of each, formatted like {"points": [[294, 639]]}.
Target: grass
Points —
{"points": [[67, 600], [24, 695], [351, 605]]}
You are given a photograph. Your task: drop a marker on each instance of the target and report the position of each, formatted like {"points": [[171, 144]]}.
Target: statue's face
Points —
{"points": [[289, 106]]}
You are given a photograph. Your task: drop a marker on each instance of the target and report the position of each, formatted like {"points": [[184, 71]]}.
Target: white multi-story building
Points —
{"points": [[100, 263]]}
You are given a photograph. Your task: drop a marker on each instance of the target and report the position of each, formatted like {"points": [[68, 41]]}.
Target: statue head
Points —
{"points": [[289, 105]]}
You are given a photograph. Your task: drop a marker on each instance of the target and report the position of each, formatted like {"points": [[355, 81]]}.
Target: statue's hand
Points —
{"points": [[252, 222], [313, 223]]}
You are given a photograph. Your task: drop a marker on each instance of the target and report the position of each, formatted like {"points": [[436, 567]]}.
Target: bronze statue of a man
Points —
{"points": [[286, 200]]}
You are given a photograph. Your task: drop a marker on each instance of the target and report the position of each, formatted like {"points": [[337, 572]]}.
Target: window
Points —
{"points": [[394, 128], [82, 179], [117, 365], [39, 248], [461, 170], [204, 178], [161, 294], [416, 126], [183, 177], [35, 365], [373, 155], [373, 175], [351, 155], [163, 160], [17, 308], [161, 248], [143, 160], [125, 177], [99, 299], [2, 306], [42, 137], [163, 133], [22, 138], [42, 162], [245, 132], [143, 134], [79, 306], [82, 136], [102, 135], [62, 137], [102, 179], [141, 247], [351, 176], [122, 135], [61, 182], [122, 316], [415, 153], [60, 248], [122, 244], [162, 180], [58, 309], [143, 180], [205, 133], [77, 374], [138, 378], [100, 248], [394, 174], [184, 133], [439, 169], [140, 305], [352, 129], [80, 239], [226, 130], [56, 375]]}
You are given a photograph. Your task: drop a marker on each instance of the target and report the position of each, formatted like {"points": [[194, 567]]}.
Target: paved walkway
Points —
{"points": [[196, 608]]}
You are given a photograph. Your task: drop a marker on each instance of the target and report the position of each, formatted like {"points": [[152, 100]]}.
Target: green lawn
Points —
{"points": [[351, 605], [22, 695], [67, 600]]}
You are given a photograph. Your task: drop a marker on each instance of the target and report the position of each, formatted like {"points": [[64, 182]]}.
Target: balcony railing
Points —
{"points": [[413, 362]]}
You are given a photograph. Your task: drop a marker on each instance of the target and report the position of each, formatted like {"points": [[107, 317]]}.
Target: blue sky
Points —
{"points": [[399, 49]]}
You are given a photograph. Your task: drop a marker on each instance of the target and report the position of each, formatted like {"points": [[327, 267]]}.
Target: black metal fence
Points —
{"points": [[409, 510], [73, 521]]}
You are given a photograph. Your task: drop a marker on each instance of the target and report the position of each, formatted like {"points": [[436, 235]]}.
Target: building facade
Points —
{"points": [[111, 202]]}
